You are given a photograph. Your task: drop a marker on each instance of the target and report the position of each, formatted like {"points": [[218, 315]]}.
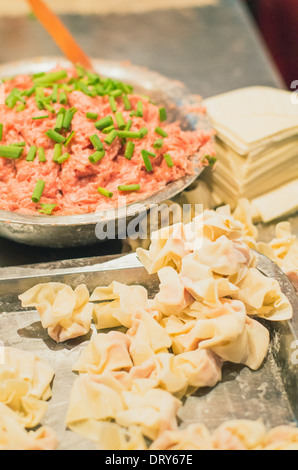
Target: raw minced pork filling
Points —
{"points": [[73, 185]]}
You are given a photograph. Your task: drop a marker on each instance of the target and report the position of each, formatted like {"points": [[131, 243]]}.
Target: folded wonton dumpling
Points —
{"points": [[105, 352], [14, 436], [147, 337], [281, 438], [263, 297], [168, 246], [25, 385], [163, 370], [193, 437], [239, 435], [65, 312], [127, 300], [154, 411], [172, 297], [202, 368]]}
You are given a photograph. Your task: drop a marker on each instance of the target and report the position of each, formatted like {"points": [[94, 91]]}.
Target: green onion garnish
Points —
{"points": [[51, 77], [36, 118], [18, 144], [113, 104], [146, 160], [104, 122], [139, 111], [63, 97], [60, 118], [55, 136], [38, 190], [47, 208], [13, 98], [162, 114], [111, 137], [129, 187], [28, 92], [96, 156], [49, 107], [41, 155], [21, 107], [128, 125], [127, 105], [31, 154], [105, 192], [168, 160], [142, 132], [211, 160], [57, 152], [10, 151], [92, 116], [107, 130], [63, 158], [68, 117], [161, 132], [129, 150], [158, 143], [120, 121], [1, 131], [69, 138], [54, 96], [96, 142]]}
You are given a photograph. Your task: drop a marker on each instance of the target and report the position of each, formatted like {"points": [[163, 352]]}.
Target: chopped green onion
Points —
{"points": [[63, 98], [146, 160], [105, 192], [120, 121], [10, 151], [38, 190], [111, 137], [139, 111], [129, 150], [151, 154], [161, 132], [211, 160], [38, 75], [107, 130], [60, 118], [51, 77], [68, 117], [31, 154], [168, 160], [158, 143], [96, 156], [57, 152], [162, 114], [104, 122], [47, 208], [116, 93], [36, 118], [127, 105], [39, 97], [113, 104], [41, 155], [85, 89], [96, 142], [69, 138], [21, 107], [13, 98], [129, 187], [92, 116], [49, 107], [142, 132], [54, 96], [1, 131], [128, 125], [63, 158], [28, 92], [18, 144], [55, 136]]}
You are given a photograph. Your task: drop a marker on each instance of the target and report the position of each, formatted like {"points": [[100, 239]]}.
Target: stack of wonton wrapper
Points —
{"points": [[257, 150]]}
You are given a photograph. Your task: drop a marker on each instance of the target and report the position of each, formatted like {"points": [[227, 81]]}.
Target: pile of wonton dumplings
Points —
{"points": [[130, 384]]}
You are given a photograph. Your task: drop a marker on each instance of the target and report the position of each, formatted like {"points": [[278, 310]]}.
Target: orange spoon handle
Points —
{"points": [[60, 34]]}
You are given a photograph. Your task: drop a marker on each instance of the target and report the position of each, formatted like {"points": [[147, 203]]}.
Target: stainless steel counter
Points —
{"points": [[211, 49]]}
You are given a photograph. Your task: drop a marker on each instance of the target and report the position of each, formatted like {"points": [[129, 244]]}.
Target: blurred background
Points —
{"points": [[278, 23]]}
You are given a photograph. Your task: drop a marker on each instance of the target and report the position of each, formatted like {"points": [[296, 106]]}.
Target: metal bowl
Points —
{"points": [[78, 230]]}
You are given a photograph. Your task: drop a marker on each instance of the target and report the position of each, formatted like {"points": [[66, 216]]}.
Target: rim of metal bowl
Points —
{"points": [[151, 82]]}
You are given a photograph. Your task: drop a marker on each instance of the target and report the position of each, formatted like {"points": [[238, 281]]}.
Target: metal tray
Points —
{"points": [[78, 230], [269, 393]]}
